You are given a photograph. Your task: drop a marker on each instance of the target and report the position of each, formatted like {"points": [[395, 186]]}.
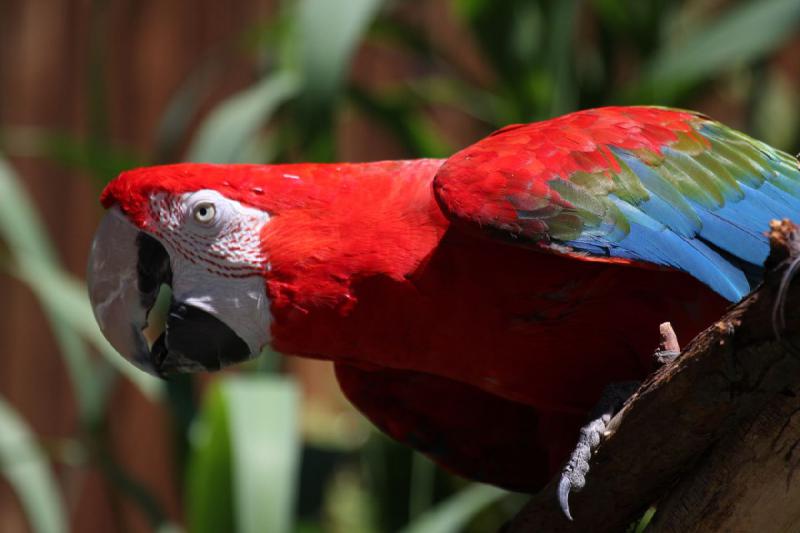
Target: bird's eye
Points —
{"points": [[205, 212]]}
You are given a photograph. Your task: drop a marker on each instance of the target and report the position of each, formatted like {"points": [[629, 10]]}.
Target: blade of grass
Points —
{"points": [[23, 464], [183, 106], [243, 471], [422, 485], [24, 235], [66, 298], [410, 125], [319, 47], [33, 260], [561, 57], [100, 158], [227, 130], [20, 226], [326, 36], [452, 92], [742, 34], [641, 525], [265, 442], [454, 513], [209, 498]]}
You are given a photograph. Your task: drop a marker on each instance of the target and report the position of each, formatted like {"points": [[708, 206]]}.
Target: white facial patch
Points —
{"points": [[217, 261]]}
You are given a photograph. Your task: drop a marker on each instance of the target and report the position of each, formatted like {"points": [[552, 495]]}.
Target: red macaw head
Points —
{"points": [[213, 233], [188, 227]]}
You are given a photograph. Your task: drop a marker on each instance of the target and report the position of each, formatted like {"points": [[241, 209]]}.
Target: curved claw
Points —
{"points": [[564, 488]]}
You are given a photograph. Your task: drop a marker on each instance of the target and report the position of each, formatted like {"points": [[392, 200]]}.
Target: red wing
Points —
{"points": [[640, 185]]}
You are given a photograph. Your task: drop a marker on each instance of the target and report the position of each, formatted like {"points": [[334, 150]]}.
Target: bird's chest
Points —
{"points": [[539, 329]]}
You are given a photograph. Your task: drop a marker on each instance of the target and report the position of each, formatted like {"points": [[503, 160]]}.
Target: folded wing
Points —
{"points": [[641, 185]]}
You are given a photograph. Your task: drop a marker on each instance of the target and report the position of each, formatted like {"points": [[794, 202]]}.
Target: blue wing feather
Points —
{"points": [[722, 230], [722, 245], [653, 242]]}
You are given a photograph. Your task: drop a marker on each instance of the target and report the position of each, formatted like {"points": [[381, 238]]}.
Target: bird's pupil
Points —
{"points": [[202, 211]]}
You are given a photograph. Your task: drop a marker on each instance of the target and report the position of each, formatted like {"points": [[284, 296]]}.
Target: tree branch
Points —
{"points": [[715, 436]]}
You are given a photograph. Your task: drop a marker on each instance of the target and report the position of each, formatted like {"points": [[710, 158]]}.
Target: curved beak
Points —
{"points": [[118, 304], [126, 270]]}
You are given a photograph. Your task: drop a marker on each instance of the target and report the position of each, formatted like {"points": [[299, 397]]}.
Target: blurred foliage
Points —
{"points": [[240, 450], [246, 438], [24, 465]]}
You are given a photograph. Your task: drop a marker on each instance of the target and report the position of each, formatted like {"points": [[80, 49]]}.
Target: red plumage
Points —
{"points": [[483, 353]]}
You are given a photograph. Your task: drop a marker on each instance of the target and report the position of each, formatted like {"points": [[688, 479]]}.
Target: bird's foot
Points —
{"points": [[573, 476]]}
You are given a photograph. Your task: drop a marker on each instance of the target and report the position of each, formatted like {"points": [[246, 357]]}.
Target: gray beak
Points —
{"points": [[120, 308], [126, 270]]}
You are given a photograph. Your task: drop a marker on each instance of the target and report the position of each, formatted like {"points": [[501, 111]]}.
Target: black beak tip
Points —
{"points": [[195, 341]]}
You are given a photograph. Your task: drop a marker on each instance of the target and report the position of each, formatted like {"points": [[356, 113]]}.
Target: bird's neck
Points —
{"points": [[379, 229]]}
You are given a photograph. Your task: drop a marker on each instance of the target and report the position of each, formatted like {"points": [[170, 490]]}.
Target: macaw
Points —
{"points": [[475, 307]]}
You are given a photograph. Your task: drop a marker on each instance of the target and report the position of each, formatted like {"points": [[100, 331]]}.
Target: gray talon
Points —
{"points": [[564, 488], [573, 477]]}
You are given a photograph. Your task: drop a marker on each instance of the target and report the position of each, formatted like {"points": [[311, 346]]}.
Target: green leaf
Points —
{"points": [[775, 117], [23, 464], [101, 159], [421, 485], [561, 57], [265, 441], [67, 300], [230, 127], [245, 446], [183, 106], [318, 47], [517, 38], [416, 131], [452, 92], [33, 260], [20, 226], [98, 157], [24, 235], [642, 524], [209, 498], [326, 34], [453, 514], [741, 35]]}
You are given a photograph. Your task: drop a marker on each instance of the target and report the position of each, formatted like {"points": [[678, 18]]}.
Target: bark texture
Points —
{"points": [[712, 438]]}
